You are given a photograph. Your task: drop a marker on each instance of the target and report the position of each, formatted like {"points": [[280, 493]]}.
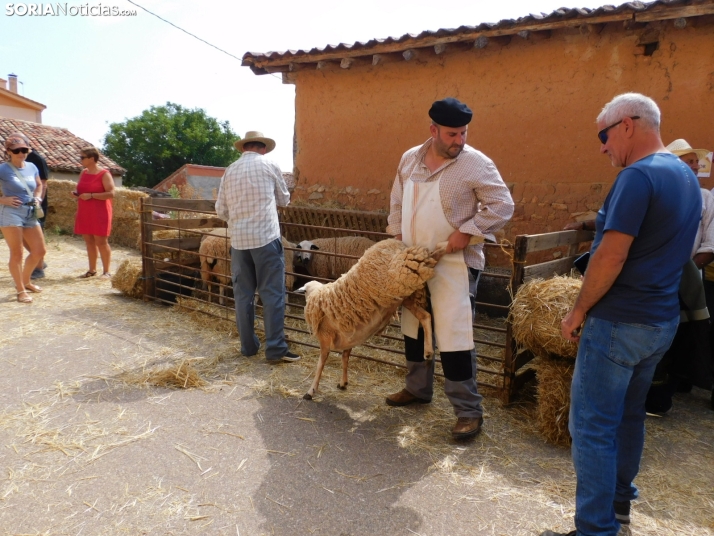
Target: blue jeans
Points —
{"points": [[613, 371], [261, 269]]}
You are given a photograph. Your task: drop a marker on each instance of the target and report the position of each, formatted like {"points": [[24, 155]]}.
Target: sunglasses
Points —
{"points": [[83, 157], [602, 135], [23, 150]]}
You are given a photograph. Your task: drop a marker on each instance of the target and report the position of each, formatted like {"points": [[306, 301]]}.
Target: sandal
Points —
{"points": [[105, 275], [33, 288], [87, 274], [26, 299]]}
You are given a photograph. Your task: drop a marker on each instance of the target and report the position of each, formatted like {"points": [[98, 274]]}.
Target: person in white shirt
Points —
{"points": [[251, 189]]}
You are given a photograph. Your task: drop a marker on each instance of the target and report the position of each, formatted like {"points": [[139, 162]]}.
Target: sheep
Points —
{"points": [[330, 266], [215, 260], [361, 303]]}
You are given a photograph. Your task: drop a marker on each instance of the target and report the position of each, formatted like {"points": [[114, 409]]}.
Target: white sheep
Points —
{"points": [[330, 266], [214, 255], [361, 303]]}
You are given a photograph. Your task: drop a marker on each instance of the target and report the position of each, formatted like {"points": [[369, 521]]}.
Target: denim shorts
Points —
{"points": [[22, 216]]}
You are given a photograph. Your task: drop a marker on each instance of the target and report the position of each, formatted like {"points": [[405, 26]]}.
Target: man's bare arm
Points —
{"points": [[603, 268]]}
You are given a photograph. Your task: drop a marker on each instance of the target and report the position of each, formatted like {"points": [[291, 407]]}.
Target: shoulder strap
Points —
{"points": [[22, 179]]}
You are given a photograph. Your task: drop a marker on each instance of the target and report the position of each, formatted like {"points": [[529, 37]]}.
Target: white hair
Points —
{"points": [[630, 105]]}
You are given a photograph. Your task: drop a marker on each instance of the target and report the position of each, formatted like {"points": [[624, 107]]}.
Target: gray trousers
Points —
{"points": [[461, 389], [261, 269]]}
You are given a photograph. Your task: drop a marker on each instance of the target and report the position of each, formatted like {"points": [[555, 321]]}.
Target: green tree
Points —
{"points": [[156, 143]]}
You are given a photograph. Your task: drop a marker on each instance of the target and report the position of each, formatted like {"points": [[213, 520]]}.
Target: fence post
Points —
{"points": [[147, 251], [520, 250]]}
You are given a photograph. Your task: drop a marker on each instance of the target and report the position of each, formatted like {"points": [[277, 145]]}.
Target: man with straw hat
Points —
{"points": [[447, 191], [643, 237], [689, 156], [251, 189]]}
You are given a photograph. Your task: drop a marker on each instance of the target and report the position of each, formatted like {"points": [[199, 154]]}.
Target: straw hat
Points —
{"points": [[681, 147], [254, 135]]}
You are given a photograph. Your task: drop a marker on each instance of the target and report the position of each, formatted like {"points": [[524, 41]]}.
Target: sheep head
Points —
{"points": [[303, 258], [309, 288]]}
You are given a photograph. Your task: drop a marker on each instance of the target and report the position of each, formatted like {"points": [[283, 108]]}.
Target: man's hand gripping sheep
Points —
{"points": [[362, 302]]}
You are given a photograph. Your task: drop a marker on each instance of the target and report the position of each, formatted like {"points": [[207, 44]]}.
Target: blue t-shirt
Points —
{"points": [[12, 185], [656, 200]]}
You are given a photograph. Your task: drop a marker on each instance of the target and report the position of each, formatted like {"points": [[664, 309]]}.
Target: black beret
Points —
{"points": [[450, 113]]}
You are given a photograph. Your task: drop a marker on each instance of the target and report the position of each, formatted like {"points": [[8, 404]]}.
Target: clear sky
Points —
{"points": [[94, 70]]}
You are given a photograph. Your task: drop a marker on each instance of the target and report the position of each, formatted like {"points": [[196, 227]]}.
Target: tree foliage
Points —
{"points": [[156, 143]]}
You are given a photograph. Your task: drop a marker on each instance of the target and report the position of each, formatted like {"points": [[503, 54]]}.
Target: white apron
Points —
{"points": [[424, 224]]}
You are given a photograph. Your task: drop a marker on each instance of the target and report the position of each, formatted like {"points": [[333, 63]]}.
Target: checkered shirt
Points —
{"points": [[251, 190], [474, 198]]}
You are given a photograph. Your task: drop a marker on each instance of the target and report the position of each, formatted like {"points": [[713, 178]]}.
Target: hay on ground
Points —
{"points": [[128, 279], [177, 376], [536, 313], [555, 376]]}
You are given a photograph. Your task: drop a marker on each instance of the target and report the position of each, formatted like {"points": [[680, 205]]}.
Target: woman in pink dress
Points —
{"points": [[95, 191]]}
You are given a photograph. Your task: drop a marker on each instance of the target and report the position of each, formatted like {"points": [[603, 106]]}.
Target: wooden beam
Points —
{"points": [[432, 41], [323, 65], [276, 69], [675, 13], [546, 270], [381, 59], [481, 42], [650, 35], [545, 241], [587, 29], [502, 40], [187, 223], [410, 54], [199, 205]]}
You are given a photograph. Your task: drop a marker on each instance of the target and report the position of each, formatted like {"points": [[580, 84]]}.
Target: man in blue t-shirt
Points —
{"points": [[645, 231]]}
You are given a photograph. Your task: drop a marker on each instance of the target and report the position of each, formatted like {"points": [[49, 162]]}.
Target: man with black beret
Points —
{"points": [[447, 191]]}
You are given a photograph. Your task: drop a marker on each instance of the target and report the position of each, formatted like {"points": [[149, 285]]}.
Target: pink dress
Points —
{"points": [[94, 216]]}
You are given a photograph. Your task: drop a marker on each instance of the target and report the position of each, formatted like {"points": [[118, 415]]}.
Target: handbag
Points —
{"points": [[37, 211]]}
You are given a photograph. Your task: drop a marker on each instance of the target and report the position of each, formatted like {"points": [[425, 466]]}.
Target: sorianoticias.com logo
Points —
{"points": [[64, 10]]}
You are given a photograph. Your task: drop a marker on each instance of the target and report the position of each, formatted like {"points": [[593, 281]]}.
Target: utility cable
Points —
{"points": [[192, 35], [184, 31]]}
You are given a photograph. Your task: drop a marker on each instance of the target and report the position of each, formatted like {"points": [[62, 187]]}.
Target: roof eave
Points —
{"points": [[24, 100], [635, 12]]}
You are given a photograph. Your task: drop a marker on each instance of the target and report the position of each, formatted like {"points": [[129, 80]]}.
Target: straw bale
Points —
{"points": [[127, 279], [536, 313], [126, 207], [554, 379], [62, 205]]}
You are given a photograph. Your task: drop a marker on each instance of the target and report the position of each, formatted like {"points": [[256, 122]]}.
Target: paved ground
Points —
{"points": [[88, 447]]}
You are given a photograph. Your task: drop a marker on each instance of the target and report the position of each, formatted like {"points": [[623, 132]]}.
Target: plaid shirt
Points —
{"points": [[251, 189], [474, 198]]}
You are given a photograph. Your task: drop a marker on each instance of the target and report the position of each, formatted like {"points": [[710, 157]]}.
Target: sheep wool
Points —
{"points": [[216, 248], [330, 267], [388, 271]]}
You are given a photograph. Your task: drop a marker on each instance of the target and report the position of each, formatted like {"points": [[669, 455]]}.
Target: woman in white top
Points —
{"points": [[22, 192]]}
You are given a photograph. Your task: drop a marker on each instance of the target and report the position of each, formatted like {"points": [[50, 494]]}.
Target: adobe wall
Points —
{"points": [[535, 102]]}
